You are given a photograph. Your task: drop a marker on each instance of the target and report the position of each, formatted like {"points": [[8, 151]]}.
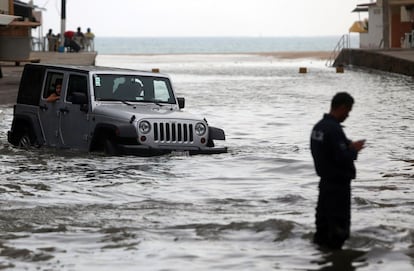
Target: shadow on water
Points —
{"points": [[341, 260]]}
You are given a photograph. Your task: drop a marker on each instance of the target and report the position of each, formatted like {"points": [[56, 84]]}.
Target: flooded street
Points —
{"points": [[249, 209]]}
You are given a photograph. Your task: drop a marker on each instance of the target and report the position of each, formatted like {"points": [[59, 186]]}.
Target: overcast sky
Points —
{"points": [[166, 18]]}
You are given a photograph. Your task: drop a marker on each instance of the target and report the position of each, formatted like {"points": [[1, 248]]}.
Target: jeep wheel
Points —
{"points": [[110, 148], [25, 141]]}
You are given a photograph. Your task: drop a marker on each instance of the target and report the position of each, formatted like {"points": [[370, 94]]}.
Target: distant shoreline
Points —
{"points": [[322, 55], [299, 54]]}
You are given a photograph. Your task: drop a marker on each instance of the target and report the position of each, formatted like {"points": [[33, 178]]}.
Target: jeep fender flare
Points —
{"points": [[216, 133], [111, 131]]}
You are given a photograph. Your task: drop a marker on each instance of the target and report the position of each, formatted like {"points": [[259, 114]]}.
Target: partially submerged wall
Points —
{"points": [[375, 59]]}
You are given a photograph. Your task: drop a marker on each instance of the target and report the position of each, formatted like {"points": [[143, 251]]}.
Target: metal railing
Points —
{"points": [[381, 44], [344, 42]]}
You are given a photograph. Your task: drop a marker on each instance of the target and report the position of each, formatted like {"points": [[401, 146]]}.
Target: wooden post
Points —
{"points": [[340, 69], [11, 7]]}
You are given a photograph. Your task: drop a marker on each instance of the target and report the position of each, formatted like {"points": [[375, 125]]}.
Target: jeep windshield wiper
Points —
{"points": [[116, 100], [125, 102], [157, 102]]}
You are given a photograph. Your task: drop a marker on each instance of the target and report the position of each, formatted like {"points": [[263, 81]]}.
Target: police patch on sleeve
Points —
{"points": [[317, 135]]}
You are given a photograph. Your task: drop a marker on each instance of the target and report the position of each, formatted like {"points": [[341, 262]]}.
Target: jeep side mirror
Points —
{"points": [[181, 102], [79, 98]]}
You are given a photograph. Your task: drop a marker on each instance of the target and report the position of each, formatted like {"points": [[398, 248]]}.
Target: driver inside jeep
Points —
{"points": [[56, 94]]}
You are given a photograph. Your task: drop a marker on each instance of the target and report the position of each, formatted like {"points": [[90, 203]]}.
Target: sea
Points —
{"points": [[200, 45], [252, 208]]}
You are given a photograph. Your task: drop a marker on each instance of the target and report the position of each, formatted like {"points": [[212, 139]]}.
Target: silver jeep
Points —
{"points": [[117, 111]]}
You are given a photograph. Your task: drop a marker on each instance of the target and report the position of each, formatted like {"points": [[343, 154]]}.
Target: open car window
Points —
{"points": [[52, 79]]}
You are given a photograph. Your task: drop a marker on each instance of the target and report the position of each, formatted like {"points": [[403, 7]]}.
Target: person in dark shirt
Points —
{"points": [[333, 155]]}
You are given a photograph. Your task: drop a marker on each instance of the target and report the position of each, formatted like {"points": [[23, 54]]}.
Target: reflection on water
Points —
{"points": [[249, 209]]}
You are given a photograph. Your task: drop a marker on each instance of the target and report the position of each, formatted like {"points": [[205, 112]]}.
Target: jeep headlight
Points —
{"points": [[200, 129], [144, 127]]}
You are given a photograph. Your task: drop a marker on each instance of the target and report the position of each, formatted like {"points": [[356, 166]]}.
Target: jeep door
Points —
{"points": [[49, 114], [74, 117]]}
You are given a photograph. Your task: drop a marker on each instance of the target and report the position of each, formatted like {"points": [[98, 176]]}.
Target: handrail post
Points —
{"points": [[344, 42]]}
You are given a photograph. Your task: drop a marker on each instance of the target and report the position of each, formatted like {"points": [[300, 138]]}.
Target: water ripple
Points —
{"points": [[250, 209]]}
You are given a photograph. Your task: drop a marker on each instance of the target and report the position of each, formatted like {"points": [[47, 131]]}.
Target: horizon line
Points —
{"points": [[292, 36]]}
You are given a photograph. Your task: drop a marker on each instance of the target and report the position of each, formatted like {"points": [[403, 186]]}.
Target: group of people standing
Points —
{"points": [[73, 41]]}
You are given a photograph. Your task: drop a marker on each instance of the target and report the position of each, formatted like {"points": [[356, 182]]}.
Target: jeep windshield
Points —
{"points": [[133, 88]]}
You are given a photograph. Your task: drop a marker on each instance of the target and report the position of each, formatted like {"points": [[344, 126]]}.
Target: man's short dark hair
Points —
{"points": [[342, 98]]}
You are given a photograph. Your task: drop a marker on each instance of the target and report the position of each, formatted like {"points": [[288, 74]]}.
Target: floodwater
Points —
{"points": [[249, 209]]}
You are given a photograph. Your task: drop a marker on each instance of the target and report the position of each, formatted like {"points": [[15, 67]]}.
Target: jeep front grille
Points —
{"points": [[173, 132]]}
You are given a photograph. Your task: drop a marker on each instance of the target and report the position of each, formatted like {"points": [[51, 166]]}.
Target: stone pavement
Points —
{"points": [[407, 54]]}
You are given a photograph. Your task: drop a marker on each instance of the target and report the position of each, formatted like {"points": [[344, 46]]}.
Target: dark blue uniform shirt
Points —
{"points": [[333, 158]]}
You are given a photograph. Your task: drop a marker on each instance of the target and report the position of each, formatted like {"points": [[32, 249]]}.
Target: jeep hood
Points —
{"points": [[141, 111]]}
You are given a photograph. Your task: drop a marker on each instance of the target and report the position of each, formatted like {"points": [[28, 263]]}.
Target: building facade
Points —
{"points": [[16, 33], [399, 19]]}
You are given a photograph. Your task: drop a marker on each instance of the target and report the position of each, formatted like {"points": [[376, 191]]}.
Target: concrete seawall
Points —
{"points": [[81, 58], [393, 60]]}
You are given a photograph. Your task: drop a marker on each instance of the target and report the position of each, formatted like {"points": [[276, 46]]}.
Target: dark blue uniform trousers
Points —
{"points": [[333, 213]]}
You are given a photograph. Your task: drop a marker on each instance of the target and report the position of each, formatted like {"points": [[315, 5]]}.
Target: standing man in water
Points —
{"points": [[333, 155]]}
